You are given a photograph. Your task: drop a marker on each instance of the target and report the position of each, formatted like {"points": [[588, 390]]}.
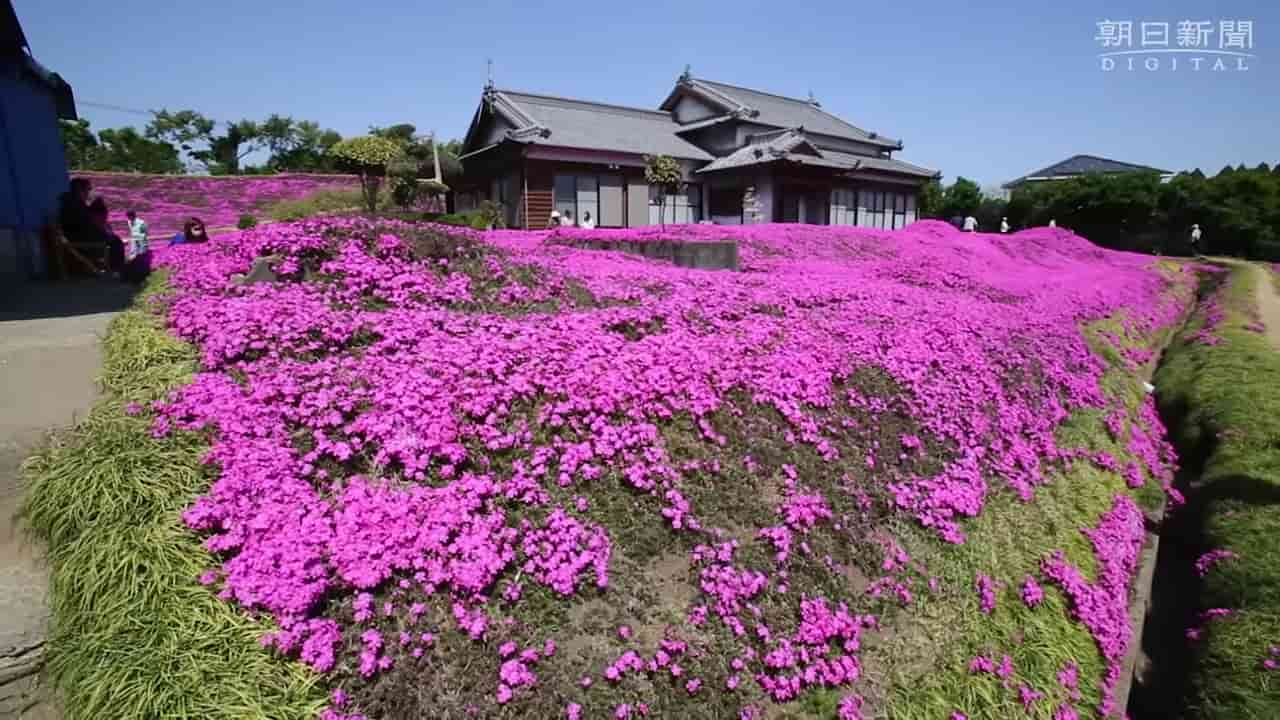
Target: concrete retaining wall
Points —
{"points": [[707, 255]]}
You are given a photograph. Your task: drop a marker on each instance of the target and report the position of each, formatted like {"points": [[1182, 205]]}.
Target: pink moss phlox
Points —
{"points": [[1205, 562], [362, 409], [1103, 606]]}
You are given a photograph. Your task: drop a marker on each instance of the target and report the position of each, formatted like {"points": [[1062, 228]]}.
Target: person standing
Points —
{"points": [[970, 224], [138, 241], [1195, 239], [1004, 224], [587, 223]]}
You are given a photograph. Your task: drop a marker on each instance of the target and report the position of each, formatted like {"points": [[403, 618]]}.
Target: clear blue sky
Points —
{"points": [[989, 93]]}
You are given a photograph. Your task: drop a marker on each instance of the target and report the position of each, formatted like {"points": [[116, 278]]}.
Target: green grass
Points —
{"points": [[323, 201], [1226, 399], [132, 634]]}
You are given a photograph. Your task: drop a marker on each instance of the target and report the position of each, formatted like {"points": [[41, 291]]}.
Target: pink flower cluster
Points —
{"points": [[1207, 616], [1103, 606], [1205, 562], [375, 425]]}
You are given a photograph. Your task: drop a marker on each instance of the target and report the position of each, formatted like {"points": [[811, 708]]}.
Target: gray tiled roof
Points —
{"points": [[783, 144], [1084, 164], [787, 112], [890, 165], [767, 147], [598, 126]]}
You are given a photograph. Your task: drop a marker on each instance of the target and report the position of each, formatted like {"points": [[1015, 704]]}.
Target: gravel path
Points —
{"points": [[1269, 304]]}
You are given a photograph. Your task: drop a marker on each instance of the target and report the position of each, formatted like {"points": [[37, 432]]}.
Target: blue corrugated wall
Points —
{"points": [[33, 171]]}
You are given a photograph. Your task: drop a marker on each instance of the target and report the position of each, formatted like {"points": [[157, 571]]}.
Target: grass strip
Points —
{"points": [[132, 633], [323, 201], [1222, 403]]}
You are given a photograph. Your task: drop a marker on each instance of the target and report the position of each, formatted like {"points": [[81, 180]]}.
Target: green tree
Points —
{"points": [[78, 143], [368, 156], [989, 213], [663, 172], [413, 173], [961, 198], [227, 150], [1026, 207], [403, 133], [221, 153], [1237, 210], [297, 145], [126, 150], [117, 150], [931, 199], [422, 149]]}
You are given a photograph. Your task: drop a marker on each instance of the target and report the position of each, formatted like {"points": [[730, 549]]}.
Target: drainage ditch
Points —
{"points": [[1165, 658]]}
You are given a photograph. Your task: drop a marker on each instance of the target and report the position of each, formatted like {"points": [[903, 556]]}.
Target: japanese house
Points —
{"points": [[747, 157], [1078, 165]]}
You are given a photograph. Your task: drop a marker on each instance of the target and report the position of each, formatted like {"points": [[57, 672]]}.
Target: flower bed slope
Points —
{"points": [[490, 474], [166, 201]]}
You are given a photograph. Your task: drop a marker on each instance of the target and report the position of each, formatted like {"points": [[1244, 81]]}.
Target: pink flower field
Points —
{"points": [[166, 201], [492, 475]]}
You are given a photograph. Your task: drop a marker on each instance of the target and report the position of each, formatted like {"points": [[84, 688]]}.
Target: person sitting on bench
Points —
{"points": [[78, 226], [99, 215]]}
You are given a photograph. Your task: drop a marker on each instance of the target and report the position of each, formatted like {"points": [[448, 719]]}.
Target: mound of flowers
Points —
{"points": [[166, 201], [421, 436]]}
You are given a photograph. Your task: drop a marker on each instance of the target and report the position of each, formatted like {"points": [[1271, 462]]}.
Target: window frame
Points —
{"points": [[685, 187], [577, 209]]}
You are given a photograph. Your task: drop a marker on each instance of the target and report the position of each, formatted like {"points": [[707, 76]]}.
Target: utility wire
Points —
{"points": [[117, 108], [123, 109]]}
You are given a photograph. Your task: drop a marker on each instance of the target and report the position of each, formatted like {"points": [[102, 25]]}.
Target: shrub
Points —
{"points": [[246, 221], [663, 172], [369, 156], [404, 191], [488, 215], [435, 244]]}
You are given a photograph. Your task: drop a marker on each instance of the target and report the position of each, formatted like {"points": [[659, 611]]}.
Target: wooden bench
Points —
{"points": [[60, 251]]}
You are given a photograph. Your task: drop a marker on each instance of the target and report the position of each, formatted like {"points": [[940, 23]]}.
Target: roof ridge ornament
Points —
{"points": [[813, 100], [687, 75], [530, 131]]}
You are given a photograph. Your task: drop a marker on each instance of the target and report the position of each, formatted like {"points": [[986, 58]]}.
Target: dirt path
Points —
{"points": [[49, 359], [1269, 304]]}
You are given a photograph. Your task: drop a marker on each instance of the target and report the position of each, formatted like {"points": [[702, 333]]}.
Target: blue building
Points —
{"points": [[33, 168]]}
